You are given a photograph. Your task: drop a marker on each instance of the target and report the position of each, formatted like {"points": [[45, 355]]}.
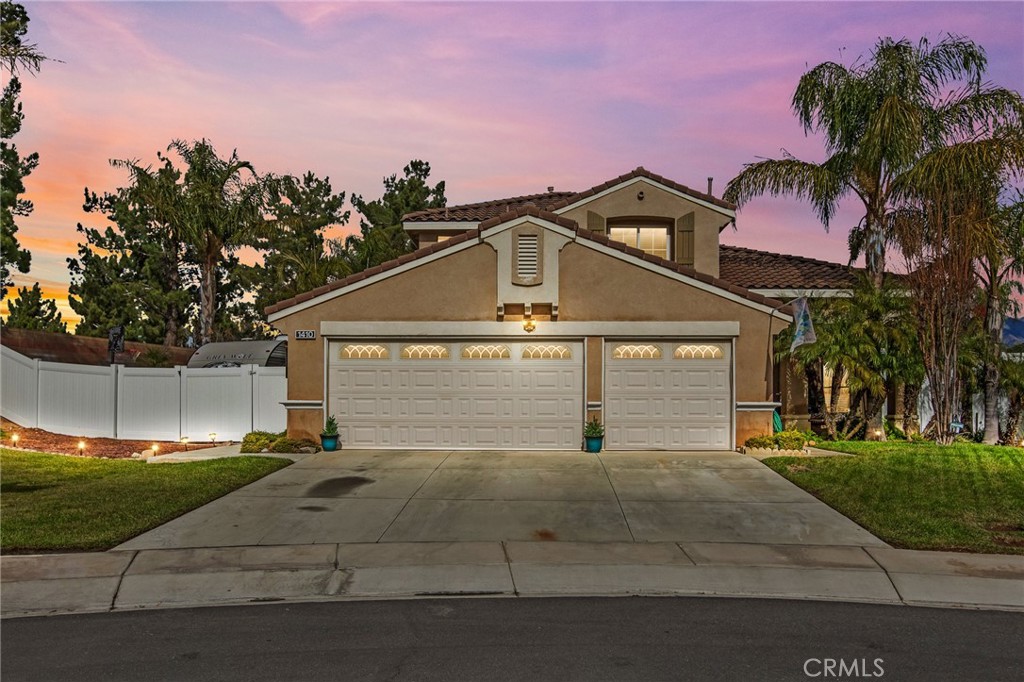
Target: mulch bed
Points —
{"points": [[111, 448]]}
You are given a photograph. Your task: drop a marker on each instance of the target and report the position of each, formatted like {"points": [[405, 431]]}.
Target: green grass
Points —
{"points": [[961, 497], [57, 503]]}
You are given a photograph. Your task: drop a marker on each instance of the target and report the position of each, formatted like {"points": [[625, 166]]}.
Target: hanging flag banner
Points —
{"points": [[804, 327]]}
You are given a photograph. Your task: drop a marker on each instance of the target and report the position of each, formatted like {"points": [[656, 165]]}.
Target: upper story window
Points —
{"points": [[652, 239]]}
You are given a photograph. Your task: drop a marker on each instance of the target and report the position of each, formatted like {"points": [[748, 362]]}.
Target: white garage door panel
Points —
{"points": [[397, 402], [667, 402]]}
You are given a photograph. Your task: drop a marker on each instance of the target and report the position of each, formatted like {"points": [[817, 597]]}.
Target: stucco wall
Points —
{"points": [[657, 203], [597, 286], [460, 286], [750, 424]]}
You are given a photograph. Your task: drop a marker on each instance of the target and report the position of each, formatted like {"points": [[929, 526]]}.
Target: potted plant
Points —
{"points": [[593, 434], [329, 436]]}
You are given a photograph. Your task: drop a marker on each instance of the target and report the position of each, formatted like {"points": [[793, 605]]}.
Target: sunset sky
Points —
{"points": [[501, 98]]}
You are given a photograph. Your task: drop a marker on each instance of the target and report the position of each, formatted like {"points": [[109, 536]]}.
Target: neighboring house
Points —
{"points": [[518, 319]]}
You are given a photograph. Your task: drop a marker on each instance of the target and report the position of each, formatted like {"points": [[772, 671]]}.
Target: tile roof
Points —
{"points": [[549, 201], [485, 210], [85, 350], [641, 172], [529, 209], [765, 270]]}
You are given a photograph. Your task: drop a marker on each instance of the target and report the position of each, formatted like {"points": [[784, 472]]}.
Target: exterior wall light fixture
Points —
{"points": [[529, 325]]}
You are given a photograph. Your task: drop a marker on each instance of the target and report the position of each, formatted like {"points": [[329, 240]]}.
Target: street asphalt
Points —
{"points": [[520, 639]]}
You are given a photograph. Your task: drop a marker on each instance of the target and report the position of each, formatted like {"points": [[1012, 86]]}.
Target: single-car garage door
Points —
{"points": [[672, 395], [457, 394]]}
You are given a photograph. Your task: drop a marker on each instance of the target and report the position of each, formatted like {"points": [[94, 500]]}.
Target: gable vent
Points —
{"points": [[527, 254]]}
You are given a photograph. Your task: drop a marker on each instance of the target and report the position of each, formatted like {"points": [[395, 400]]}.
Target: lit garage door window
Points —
{"points": [[698, 352], [364, 351], [425, 351], [554, 351], [636, 351], [486, 352]]}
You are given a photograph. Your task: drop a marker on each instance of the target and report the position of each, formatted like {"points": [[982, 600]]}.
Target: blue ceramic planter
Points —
{"points": [[593, 443], [329, 443]]}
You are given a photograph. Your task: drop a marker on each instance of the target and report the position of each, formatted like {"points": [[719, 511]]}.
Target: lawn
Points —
{"points": [[58, 503], [961, 497]]}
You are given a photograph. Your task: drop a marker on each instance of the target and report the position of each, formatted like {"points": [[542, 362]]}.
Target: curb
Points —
{"points": [[119, 580]]}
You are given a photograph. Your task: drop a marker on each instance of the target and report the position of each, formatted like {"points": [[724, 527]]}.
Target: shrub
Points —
{"points": [[258, 441], [790, 440], [765, 441], [783, 440], [288, 445]]}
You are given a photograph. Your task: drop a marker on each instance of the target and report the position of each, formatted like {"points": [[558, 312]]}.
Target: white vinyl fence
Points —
{"points": [[140, 403]]}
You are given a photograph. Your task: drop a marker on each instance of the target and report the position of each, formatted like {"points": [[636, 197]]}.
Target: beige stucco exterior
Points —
{"points": [[657, 204], [596, 286], [592, 286], [461, 286]]}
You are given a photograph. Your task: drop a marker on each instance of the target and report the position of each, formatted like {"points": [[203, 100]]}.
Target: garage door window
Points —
{"points": [[698, 352], [364, 351], [636, 351], [554, 351], [425, 351], [490, 351]]}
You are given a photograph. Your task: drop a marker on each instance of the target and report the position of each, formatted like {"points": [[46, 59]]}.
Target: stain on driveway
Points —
{"points": [[336, 487]]}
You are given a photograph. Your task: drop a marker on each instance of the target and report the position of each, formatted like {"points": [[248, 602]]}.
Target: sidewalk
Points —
{"points": [[166, 578]]}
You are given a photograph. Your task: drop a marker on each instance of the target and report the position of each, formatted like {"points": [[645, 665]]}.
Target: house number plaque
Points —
{"points": [[305, 334]]}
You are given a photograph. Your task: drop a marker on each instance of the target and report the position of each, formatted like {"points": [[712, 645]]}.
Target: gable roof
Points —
{"points": [[641, 172], [485, 210], [754, 269], [459, 242], [550, 201]]}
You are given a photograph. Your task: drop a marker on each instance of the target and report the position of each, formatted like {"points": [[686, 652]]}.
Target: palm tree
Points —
{"points": [[219, 212], [878, 117], [953, 235]]}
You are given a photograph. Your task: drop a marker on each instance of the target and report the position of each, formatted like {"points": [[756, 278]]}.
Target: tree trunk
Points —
{"points": [[832, 410], [1013, 416], [994, 337], [815, 389], [207, 301], [911, 423], [873, 418]]}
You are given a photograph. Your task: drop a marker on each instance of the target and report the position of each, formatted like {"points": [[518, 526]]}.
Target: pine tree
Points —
{"points": [[31, 311], [383, 237], [15, 55]]}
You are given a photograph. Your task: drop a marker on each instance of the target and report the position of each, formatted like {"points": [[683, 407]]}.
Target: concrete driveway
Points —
{"points": [[358, 496]]}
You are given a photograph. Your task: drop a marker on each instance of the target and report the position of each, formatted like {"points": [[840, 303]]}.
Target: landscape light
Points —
{"points": [[184, 441], [213, 437], [14, 439], [81, 447], [155, 447]]}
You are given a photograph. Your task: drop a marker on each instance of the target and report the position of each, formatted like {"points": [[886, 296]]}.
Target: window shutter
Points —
{"points": [[684, 229]]}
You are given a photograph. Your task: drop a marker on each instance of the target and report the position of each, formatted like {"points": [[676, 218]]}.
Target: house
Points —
{"points": [[517, 320]]}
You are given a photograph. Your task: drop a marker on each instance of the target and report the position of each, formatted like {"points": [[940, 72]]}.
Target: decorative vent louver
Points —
{"points": [[526, 264]]}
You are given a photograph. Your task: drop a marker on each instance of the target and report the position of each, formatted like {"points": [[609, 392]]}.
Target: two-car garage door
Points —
{"points": [[457, 394]]}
